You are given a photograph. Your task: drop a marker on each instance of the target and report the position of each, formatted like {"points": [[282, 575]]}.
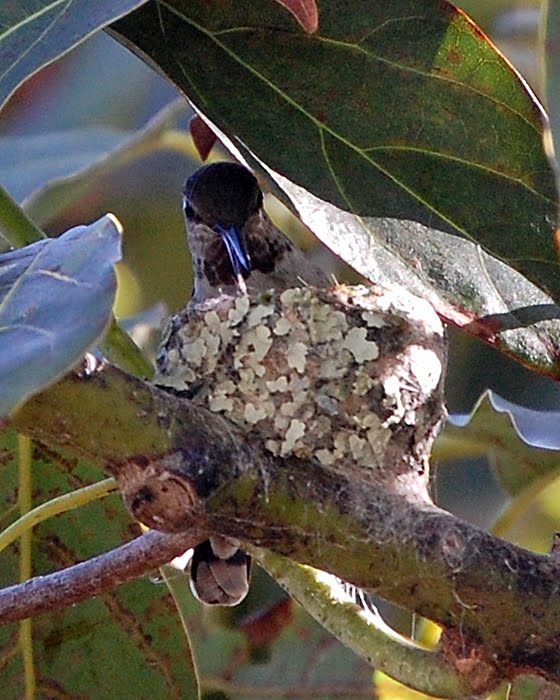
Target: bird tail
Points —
{"points": [[220, 571]]}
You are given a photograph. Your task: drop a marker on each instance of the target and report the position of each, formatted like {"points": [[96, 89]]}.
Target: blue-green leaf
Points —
{"points": [[56, 298]]}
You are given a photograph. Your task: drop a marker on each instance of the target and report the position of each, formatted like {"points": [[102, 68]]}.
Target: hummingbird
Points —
{"points": [[234, 245], [235, 249]]}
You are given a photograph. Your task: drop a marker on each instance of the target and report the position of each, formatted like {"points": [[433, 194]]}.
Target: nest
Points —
{"points": [[339, 375]]}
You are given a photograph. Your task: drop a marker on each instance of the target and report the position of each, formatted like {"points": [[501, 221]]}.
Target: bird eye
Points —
{"points": [[189, 211]]}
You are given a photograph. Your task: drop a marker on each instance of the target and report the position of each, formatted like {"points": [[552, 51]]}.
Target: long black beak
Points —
{"points": [[236, 250]]}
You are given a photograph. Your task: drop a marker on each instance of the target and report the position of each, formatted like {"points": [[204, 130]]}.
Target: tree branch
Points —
{"points": [[363, 631], [93, 577], [180, 466]]}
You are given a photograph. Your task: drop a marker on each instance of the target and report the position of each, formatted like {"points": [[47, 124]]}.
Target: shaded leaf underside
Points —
{"points": [[399, 135]]}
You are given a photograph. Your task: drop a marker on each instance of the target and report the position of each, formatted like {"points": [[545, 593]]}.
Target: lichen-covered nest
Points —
{"points": [[332, 374]]}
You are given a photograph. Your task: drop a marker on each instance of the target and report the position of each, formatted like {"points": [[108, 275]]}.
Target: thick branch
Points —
{"points": [[178, 465], [92, 577]]}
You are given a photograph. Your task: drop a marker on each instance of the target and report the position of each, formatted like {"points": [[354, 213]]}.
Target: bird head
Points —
{"points": [[222, 197]]}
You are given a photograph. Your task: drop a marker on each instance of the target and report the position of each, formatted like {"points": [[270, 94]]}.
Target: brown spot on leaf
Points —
{"points": [[305, 11], [265, 626], [454, 56], [202, 135]]}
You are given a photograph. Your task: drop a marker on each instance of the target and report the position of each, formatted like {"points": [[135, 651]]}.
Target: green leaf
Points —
{"points": [[522, 444], [56, 298], [179, 589], [35, 33], [402, 111], [400, 136], [125, 644]]}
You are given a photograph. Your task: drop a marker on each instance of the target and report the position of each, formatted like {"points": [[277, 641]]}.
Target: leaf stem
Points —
{"points": [[25, 503], [550, 72], [61, 504], [122, 351], [16, 227]]}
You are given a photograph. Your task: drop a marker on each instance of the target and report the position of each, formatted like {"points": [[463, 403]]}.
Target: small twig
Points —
{"points": [[15, 226], [93, 577], [25, 502], [60, 504], [122, 351]]}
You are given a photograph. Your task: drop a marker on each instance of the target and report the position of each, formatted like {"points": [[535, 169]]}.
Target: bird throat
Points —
{"points": [[267, 251]]}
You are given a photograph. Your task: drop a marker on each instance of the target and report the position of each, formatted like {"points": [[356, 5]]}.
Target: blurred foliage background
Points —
{"points": [[99, 96]]}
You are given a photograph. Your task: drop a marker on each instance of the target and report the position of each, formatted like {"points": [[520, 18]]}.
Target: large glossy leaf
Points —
{"points": [[401, 137], [400, 110], [56, 298], [125, 644], [523, 444], [35, 33]]}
